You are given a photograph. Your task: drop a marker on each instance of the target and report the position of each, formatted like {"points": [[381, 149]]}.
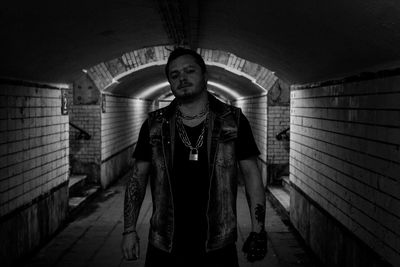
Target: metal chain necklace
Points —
{"points": [[197, 116], [194, 151]]}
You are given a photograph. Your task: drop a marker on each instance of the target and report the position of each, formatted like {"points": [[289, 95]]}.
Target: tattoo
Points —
{"points": [[260, 215], [134, 195]]}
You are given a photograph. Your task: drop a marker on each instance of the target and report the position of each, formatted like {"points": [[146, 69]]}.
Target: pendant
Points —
{"points": [[194, 154]]}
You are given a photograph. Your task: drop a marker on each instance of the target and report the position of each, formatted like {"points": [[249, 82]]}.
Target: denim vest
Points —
{"points": [[221, 206]]}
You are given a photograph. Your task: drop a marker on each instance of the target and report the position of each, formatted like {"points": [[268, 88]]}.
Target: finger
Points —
{"points": [[124, 252], [250, 258], [137, 250], [131, 255], [134, 253], [253, 258], [127, 254], [256, 257], [259, 257]]}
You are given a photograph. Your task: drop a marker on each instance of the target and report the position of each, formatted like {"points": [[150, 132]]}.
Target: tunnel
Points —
{"points": [[319, 82]]}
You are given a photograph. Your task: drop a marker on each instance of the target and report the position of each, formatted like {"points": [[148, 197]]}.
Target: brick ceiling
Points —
{"points": [[301, 41]]}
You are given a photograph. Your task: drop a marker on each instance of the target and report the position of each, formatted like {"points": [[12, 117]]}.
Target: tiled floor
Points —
{"points": [[93, 237]]}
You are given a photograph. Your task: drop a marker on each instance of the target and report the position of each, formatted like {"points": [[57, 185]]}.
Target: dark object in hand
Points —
{"points": [[255, 246]]}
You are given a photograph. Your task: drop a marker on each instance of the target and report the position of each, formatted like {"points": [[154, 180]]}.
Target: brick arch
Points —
{"points": [[106, 73]]}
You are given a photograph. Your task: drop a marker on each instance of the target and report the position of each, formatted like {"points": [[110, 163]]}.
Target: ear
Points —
{"points": [[206, 76]]}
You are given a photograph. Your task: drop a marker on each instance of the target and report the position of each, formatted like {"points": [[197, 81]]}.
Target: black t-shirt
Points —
{"points": [[245, 144], [190, 182]]}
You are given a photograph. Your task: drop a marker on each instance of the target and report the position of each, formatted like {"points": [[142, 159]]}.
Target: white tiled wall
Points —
{"points": [[345, 155], [33, 144]]}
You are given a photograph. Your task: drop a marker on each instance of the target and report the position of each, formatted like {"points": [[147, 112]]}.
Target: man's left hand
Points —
{"points": [[255, 246]]}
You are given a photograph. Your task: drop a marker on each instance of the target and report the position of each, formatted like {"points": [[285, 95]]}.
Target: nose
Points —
{"points": [[182, 76]]}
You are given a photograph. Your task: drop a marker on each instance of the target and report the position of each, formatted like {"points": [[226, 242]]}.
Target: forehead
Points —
{"points": [[182, 62]]}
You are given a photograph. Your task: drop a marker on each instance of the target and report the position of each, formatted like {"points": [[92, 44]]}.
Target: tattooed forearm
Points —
{"points": [[255, 193], [260, 215], [134, 194]]}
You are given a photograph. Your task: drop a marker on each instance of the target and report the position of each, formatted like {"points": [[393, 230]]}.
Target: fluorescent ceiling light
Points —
{"points": [[152, 89], [226, 90]]}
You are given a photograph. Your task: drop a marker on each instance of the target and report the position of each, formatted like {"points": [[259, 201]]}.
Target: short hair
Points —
{"points": [[180, 51]]}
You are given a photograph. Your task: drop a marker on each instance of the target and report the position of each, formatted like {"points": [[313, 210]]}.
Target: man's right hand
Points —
{"points": [[130, 246], [256, 246]]}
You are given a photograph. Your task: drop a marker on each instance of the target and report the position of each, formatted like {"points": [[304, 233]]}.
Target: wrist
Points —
{"points": [[262, 231], [129, 232], [258, 229]]}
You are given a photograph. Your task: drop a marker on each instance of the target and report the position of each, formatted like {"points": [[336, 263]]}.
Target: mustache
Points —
{"points": [[184, 84]]}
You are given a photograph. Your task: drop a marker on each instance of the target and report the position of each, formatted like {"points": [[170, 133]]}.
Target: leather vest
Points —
{"points": [[221, 207]]}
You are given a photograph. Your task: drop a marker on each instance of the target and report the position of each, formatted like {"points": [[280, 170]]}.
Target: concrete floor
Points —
{"points": [[93, 237]]}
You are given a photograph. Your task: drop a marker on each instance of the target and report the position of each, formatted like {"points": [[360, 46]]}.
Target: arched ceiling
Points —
{"points": [[139, 84], [301, 41]]}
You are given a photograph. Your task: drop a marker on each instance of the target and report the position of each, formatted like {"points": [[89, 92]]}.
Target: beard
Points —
{"points": [[189, 91]]}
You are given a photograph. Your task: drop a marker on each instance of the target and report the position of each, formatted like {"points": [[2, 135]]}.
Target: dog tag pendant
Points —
{"points": [[194, 154]]}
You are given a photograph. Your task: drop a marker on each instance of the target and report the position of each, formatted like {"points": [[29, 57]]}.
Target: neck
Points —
{"points": [[194, 106]]}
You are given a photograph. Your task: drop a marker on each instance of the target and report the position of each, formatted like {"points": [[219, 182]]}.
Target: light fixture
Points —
{"points": [[226, 90], [152, 89], [237, 72]]}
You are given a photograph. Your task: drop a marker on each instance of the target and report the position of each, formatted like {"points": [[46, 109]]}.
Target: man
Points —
{"points": [[191, 149]]}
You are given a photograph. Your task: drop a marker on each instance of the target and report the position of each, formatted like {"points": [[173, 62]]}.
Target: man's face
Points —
{"points": [[186, 78]]}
